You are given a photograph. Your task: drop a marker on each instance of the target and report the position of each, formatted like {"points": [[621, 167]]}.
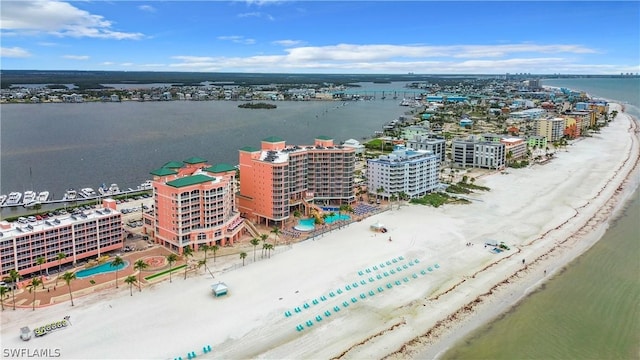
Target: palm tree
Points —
{"points": [[68, 277], [265, 246], [140, 265], [264, 238], [171, 259], [13, 277], [61, 256], [187, 252], [215, 249], [3, 292], [35, 282], [509, 157], [40, 260], [130, 280], [269, 248], [200, 263], [242, 256], [275, 231], [116, 263], [379, 191], [255, 243], [205, 248]]}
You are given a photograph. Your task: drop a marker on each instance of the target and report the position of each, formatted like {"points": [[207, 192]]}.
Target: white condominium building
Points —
{"points": [[408, 171]]}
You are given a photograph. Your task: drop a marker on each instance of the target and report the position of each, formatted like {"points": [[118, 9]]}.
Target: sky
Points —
{"points": [[338, 37]]}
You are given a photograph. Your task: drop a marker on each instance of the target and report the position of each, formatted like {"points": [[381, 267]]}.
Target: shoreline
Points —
{"points": [[526, 281], [418, 318]]}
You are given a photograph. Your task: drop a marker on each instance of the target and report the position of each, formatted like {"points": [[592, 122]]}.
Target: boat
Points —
{"points": [[28, 197], [88, 192], [147, 185], [113, 189], [43, 196], [70, 195], [3, 198], [13, 198]]}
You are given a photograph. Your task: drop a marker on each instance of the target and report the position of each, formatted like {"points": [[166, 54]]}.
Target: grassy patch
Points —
{"points": [[161, 273], [433, 199]]}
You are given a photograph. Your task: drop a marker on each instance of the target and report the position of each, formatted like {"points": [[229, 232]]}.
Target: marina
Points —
{"points": [[30, 199]]}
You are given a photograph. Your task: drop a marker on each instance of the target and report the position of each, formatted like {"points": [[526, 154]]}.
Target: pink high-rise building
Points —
{"points": [[194, 204], [278, 178]]}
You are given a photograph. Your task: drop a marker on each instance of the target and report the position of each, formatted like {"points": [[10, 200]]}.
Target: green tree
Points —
{"points": [[265, 246], [171, 259], [255, 243], [13, 277], [117, 262], [275, 231], [3, 292], [187, 252], [35, 282], [264, 238], [242, 256], [215, 249], [269, 248], [140, 265], [40, 260], [130, 280], [68, 277], [61, 256], [205, 248]]}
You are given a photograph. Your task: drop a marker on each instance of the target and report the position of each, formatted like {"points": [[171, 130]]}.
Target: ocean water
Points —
{"points": [[591, 310]]}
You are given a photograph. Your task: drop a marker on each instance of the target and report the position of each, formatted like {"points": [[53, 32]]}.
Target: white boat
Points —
{"points": [[113, 189], [29, 197], [70, 195], [88, 192], [3, 198], [14, 198], [43, 196], [147, 185]]}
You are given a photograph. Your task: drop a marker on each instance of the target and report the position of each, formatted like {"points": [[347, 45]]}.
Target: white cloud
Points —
{"points": [[147, 8], [238, 39], [256, 15], [14, 52], [57, 18], [288, 43], [76, 57], [465, 59], [107, 63]]}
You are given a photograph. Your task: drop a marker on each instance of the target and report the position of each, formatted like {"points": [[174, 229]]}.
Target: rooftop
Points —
{"points": [[190, 180]]}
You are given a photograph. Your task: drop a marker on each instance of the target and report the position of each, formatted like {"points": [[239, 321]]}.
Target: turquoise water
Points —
{"points": [[309, 223], [590, 310], [306, 224], [100, 269], [337, 217]]}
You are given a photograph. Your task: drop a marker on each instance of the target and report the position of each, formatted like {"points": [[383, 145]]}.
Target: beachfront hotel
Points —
{"points": [[278, 178], [79, 236], [193, 204], [403, 171]]}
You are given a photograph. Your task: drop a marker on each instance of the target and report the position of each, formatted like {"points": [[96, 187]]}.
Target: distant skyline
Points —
{"points": [[341, 37]]}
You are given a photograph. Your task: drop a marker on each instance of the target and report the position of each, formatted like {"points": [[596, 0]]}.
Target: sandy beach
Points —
{"points": [[354, 294]]}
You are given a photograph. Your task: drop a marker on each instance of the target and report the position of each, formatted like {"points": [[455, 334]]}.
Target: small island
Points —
{"points": [[259, 105]]}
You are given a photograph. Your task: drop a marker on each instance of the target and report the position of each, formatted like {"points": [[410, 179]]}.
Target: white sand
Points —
{"points": [[167, 320]]}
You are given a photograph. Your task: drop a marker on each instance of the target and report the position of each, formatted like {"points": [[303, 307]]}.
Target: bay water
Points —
{"points": [[55, 147], [590, 310]]}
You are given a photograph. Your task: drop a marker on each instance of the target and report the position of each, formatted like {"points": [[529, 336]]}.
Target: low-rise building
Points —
{"points": [[79, 236], [430, 142]]}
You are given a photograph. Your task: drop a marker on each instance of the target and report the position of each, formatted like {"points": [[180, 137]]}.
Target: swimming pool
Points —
{"points": [[100, 269], [337, 217], [306, 224]]}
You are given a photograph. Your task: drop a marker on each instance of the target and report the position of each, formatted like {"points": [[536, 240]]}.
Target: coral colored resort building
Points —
{"points": [[194, 204], [79, 236], [279, 178]]}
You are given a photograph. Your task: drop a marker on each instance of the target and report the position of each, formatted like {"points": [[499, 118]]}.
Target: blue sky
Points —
{"points": [[393, 37]]}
